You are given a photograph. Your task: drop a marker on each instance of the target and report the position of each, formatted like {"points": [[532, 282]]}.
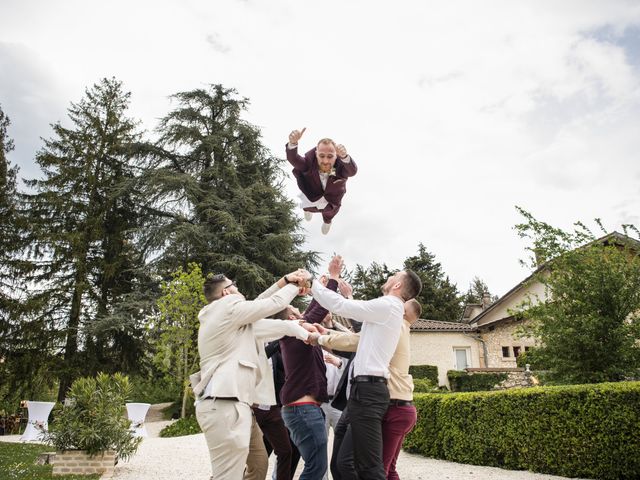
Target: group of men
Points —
{"points": [[235, 376], [367, 396]]}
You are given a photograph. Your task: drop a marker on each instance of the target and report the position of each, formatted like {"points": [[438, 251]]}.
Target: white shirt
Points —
{"points": [[381, 326]]}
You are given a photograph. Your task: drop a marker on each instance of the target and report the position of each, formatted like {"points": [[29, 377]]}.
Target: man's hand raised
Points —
{"points": [[335, 267], [341, 150], [295, 136]]}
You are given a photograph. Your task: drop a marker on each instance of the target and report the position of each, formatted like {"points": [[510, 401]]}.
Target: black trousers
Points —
{"points": [[341, 464], [368, 403]]}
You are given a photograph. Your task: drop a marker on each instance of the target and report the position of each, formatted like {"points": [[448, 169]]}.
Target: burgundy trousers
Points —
{"points": [[276, 433], [396, 423]]}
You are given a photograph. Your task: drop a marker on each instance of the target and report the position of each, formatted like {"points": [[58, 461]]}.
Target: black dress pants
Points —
{"points": [[368, 403]]}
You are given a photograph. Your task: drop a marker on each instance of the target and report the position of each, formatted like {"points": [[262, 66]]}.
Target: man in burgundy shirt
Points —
{"points": [[304, 390]]}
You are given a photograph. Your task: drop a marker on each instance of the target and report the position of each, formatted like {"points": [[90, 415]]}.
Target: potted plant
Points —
{"points": [[90, 430]]}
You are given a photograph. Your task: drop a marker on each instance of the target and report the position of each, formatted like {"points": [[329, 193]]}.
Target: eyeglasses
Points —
{"points": [[232, 284]]}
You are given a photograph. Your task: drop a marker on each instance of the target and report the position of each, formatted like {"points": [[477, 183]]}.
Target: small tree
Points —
{"points": [[588, 325], [176, 349], [92, 419]]}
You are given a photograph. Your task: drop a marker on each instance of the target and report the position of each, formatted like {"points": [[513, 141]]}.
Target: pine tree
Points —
{"points": [[439, 297], [216, 195], [477, 289], [84, 222]]}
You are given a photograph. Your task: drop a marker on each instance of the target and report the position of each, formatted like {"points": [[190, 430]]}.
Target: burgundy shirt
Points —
{"points": [[304, 368]]}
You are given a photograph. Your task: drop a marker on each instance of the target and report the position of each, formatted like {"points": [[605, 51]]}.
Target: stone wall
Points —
{"points": [[504, 334], [76, 462]]}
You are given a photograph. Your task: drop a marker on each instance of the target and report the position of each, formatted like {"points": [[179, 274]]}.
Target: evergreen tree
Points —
{"points": [[84, 221], [367, 281], [439, 298], [216, 196], [477, 289]]}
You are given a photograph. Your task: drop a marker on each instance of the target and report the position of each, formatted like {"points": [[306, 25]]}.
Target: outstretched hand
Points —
{"points": [[345, 289], [295, 136], [335, 267]]}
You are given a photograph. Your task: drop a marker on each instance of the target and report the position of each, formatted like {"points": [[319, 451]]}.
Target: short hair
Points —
{"points": [[411, 285], [213, 287], [414, 306], [327, 141]]}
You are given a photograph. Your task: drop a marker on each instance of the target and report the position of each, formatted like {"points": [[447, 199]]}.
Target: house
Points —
{"points": [[487, 335]]}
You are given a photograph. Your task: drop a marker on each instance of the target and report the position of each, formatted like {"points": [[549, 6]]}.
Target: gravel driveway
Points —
{"points": [[187, 457]]}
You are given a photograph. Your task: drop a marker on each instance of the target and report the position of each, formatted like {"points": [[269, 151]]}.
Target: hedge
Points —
{"points": [[461, 381], [588, 431], [430, 372]]}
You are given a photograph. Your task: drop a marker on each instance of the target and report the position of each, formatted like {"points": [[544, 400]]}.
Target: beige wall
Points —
{"points": [[504, 334], [437, 348], [512, 303]]}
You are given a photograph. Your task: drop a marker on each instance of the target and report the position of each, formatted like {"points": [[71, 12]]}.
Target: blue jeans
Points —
{"points": [[307, 427]]}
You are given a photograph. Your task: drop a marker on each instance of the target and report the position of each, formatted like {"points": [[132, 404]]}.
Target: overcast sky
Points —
{"points": [[455, 111]]}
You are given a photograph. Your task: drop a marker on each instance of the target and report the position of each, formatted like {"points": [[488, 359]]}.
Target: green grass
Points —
{"points": [[18, 462]]}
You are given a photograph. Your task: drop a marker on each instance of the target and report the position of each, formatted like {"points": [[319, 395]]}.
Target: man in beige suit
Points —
{"points": [[231, 366]]}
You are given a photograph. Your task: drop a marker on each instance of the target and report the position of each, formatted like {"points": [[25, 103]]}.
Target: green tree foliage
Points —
{"points": [[215, 193], [588, 323], [477, 289], [177, 326], [439, 297], [83, 221], [368, 281]]}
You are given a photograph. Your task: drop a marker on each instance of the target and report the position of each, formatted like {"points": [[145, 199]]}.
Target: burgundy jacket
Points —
{"points": [[305, 371], [306, 171]]}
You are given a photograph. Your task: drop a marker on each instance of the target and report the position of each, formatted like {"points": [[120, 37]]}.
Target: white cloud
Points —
{"points": [[454, 111]]}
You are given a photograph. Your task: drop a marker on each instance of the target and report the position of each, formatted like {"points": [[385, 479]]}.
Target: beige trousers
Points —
{"points": [[233, 438]]}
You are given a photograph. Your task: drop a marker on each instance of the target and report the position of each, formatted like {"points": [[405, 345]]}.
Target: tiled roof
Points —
{"points": [[438, 326]]}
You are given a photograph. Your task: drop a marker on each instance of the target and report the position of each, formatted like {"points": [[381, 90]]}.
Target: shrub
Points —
{"points": [[93, 418], [423, 385], [464, 382], [154, 390], [184, 426], [578, 431], [429, 372]]}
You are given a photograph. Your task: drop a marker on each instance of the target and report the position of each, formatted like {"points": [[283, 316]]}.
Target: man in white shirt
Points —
{"points": [[381, 326]]}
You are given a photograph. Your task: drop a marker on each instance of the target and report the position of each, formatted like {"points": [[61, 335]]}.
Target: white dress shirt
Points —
{"points": [[381, 325]]}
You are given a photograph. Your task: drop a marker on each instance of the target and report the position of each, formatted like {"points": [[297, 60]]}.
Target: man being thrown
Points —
{"points": [[322, 176], [381, 328], [234, 369]]}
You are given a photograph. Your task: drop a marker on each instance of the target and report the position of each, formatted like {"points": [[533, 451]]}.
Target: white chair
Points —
{"points": [[137, 413], [38, 420]]}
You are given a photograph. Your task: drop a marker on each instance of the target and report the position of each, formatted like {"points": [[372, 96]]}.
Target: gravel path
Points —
{"points": [[187, 457]]}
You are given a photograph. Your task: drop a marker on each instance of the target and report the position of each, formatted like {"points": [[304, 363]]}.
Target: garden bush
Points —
{"points": [[184, 426], [429, 372], [93, 417], [464, 382], [588, 431], [423, 385]]}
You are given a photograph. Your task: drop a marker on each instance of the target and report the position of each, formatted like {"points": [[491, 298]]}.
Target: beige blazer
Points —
{"points": [[230, 354]]}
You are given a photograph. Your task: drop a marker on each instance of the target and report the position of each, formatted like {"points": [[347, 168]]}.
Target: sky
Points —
{"points": [[454, 111]]}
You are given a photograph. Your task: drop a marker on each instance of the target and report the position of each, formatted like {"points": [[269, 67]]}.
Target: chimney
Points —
{"points": [[486, 300]]}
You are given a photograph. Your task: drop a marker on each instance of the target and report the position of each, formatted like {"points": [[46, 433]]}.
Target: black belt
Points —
{"points": [[231, 399], [400, 403], [330, 397], [368, 379]]}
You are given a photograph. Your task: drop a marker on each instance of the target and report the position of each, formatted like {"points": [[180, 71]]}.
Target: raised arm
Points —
{"points": [[344, 341], [297, 161], [315, 313], [268, 329]]}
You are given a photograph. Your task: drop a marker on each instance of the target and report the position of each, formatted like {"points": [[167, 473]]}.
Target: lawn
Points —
{"points": [[18, 462]]}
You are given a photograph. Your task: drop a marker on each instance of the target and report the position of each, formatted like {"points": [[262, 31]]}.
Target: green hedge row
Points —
{"points": [[430, 372], [589, 431], [461, 381]]}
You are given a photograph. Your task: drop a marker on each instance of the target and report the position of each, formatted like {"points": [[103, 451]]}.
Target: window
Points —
{"points": [[505, 352], [461, 358], [516, 351], [526, 349]]}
